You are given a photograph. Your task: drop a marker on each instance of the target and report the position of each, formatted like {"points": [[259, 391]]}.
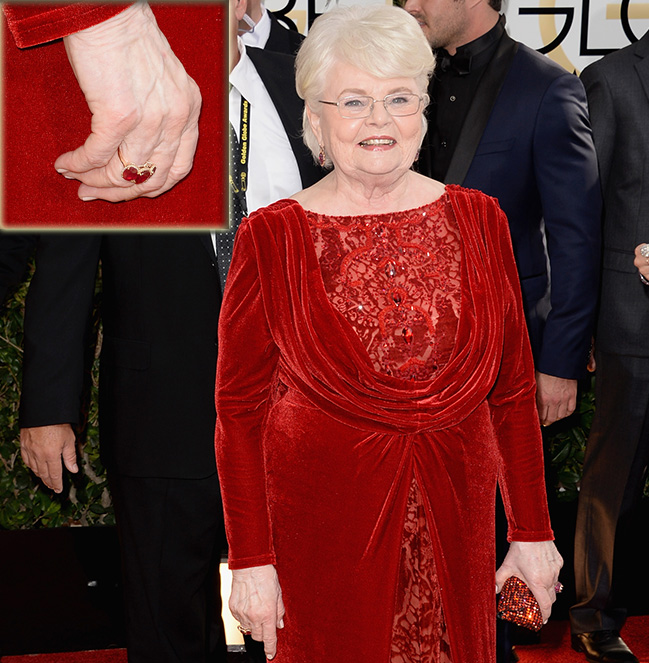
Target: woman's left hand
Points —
{"points": [[642, 262], [537, 564]]}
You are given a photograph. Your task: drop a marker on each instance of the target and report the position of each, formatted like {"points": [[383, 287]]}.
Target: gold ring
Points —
{"points": [[134, 173]]}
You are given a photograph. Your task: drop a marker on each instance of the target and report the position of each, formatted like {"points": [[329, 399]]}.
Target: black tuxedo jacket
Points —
{"points": [[276, 72], [618, 96], [281, 38], [159, 305], [527, 141], [15, 252]]}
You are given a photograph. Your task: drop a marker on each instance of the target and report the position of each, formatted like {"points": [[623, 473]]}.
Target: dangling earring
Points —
{"points": [[322, 157]]}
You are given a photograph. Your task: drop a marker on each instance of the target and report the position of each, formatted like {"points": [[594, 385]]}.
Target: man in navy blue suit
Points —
{"points": [[510, 122]]}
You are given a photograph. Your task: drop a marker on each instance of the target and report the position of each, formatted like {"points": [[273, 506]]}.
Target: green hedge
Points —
{"points": [[24, 501]]}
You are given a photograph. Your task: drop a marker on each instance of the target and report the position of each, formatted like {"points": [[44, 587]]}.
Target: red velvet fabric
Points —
{"points": [[317, 450], [45, 114]]}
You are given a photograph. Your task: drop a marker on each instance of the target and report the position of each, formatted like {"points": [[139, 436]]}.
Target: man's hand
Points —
{"points": [[556, 398], [142, 101], [642, 262], [42, 449]]}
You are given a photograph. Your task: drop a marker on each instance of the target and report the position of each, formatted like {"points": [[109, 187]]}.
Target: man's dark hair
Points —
{"points": [[496, 4]]}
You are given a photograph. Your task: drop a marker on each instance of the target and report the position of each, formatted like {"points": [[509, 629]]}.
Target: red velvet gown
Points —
{"points": [[328, 441]]}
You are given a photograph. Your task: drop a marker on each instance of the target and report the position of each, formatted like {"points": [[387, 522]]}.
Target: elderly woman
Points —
{"points": [[375, 382]]}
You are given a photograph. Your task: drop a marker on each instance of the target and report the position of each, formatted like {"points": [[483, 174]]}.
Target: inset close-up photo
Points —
{"points": [[113, 116]]}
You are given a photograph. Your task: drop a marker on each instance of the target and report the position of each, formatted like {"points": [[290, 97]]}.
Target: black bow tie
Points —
{"points": [[460, 63]]}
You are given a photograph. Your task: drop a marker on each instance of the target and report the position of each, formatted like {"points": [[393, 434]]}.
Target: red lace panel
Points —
{"points": [[396, 279], [419, 632]]}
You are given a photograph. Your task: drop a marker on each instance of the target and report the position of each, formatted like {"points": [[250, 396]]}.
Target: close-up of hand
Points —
{"points": [[143, 103], [537, 564], [256, 603], [45, 449]]}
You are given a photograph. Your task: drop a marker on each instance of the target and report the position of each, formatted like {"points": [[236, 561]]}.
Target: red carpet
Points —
{"points": [[104, 656], [554, 648], [555, 643]]}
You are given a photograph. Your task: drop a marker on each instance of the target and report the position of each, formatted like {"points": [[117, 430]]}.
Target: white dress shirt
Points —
{"points": [[272, 168], [259, 36]]}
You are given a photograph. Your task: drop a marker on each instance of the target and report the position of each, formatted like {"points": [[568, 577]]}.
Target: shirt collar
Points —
{"points": [[261, 32], [474, 55]]}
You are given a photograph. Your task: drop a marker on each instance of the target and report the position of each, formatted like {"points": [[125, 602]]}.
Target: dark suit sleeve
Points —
{"points": [[602, 117], [57, 314], [15, 252], [566, 173]]}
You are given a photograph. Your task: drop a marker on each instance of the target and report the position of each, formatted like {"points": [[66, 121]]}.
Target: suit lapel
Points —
{"points": [[480, 110], [206, 241]]}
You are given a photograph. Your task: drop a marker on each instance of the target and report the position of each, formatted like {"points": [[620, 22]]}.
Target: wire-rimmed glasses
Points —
{"points": [[400, 104]]}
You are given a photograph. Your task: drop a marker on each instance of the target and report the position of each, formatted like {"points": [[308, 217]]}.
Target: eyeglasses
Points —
{"points": [[397, 105]]}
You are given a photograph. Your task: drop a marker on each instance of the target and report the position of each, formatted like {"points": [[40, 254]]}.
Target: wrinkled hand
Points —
{"points": [[537, 565], [42, 449], [141, 100], [256, 603], [556, 398], [641, 262]]}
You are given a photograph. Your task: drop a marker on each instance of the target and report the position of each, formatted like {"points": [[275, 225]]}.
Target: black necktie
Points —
{"points": [[238, 208]]}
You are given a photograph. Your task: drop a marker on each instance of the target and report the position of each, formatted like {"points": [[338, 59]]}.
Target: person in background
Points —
{"points": [[265, 109], [262, 29], [375, 382], [160, 305], [617, 450], [510, 122]]}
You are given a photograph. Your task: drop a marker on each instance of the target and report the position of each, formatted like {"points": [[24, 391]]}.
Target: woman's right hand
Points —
{"points": [[142, 101], [256, 603]]}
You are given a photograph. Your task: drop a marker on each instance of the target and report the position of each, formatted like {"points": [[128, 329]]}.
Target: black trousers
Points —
{"points": [[171, 536], [616, 458]]}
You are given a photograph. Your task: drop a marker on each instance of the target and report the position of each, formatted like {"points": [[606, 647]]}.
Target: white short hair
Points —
{"points": [[383, 40]]}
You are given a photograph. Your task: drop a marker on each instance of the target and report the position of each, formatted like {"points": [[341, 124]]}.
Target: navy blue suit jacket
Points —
{"points": [[527, 141]]}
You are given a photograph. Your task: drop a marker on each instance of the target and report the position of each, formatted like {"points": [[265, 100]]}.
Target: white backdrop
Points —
{"points": [[574, 33]]}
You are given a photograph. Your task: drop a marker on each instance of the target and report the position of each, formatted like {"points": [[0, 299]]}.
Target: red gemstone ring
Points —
{"points": [[133, 173]]}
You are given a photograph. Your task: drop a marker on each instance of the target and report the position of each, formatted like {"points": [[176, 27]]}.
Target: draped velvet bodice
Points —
{"points": [[396, 279]]}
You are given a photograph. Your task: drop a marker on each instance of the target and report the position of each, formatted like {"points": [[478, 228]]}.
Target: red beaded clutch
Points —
{"points": [[518, 605]]}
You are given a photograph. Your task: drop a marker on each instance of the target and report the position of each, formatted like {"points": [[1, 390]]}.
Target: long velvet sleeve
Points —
{"points": [[37, 24], [245, 368], [515, 418], [57, 312]]}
